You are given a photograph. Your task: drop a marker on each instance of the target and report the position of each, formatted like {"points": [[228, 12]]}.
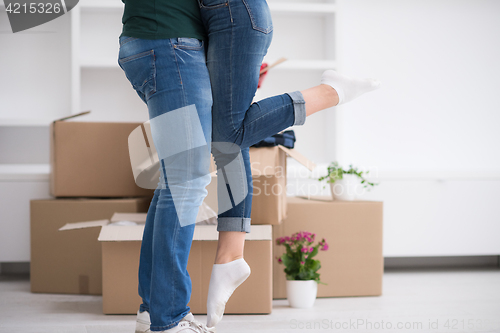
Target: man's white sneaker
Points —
{"points": [[187, 325], [143, 322]]}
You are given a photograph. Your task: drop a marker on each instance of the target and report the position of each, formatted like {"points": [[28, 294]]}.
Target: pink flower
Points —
{"points": [[287, 238], [325, 247], [304, 250], [302, 262], [279, 260], [306, 256], [311, 249]]}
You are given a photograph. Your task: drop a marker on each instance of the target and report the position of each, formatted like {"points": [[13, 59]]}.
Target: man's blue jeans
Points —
{"points": [[239, 34], [170, 76]]}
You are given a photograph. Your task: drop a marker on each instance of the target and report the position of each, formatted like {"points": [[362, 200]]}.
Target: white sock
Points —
{"points": [[348, 88], [224, 280]]}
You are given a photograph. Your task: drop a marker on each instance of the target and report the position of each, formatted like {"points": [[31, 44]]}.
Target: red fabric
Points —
{"points": [[263, 75]]}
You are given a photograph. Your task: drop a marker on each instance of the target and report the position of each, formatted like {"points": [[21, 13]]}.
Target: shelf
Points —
{"points": [[99, 63], [289, 64], [297, 171], [24, 172], [24, 122], [100, 4], [276, 7], [306, 64], [279, 7], [302, 8]]}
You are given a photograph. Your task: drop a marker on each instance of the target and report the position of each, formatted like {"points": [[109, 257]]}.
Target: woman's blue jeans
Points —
{"points": [[239, 34]]}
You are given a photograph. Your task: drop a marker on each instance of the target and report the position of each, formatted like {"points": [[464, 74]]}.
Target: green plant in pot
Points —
{"points": [[301, 268], [345, 184]]}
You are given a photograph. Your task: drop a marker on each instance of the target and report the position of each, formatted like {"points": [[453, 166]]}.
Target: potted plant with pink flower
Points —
{"points": [[301, 268]]}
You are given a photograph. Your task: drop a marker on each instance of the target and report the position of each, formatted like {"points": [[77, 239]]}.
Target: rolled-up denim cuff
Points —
{"points": [[299, 107], [233, 224]]}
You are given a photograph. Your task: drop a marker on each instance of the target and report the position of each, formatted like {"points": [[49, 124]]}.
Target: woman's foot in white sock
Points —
{"points": [[348, 88], [224, 280]]}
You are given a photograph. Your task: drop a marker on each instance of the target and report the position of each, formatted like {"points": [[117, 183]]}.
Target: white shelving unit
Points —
{"points": [[75, 61], [94, 27], [89, 60]]}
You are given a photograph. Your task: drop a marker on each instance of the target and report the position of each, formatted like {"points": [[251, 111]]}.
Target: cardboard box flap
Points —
{"points": [[209, 233], [82, 225], [260, 232], [316, 197], [298, 157], [134, 217], [73, 116], [266, 161], [114, 233]]}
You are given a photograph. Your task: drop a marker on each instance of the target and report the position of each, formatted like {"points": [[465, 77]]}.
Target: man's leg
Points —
{"points": [[147, 255], [172, 76]]}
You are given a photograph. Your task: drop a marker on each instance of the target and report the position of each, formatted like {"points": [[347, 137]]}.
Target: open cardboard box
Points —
{"points": [[268, 166], [120, 263], [269, 182], [70, 262]]}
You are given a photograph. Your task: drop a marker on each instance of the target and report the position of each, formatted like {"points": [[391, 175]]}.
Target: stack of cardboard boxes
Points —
{"points": [[92, 180]]}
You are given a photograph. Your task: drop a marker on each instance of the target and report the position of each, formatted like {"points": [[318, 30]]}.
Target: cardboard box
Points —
{"points": [[70, 263], [353, 265], [91, 159], [120, 261], [254, 296], [268, 165]]}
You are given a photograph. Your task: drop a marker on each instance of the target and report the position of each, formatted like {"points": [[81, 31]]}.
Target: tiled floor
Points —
{"points": [[452, 300]]}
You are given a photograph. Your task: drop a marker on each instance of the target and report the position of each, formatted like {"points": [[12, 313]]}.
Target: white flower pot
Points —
{"points": [[301, 294], [348, 188]]}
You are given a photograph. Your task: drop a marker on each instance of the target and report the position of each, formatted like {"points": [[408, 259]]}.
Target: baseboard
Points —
{"points": [[435, 262], [11, 268]]}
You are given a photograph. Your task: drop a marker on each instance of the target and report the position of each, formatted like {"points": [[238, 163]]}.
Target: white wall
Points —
{"points": [[431, 133], [300, 37], [428, 134], [35, 70], [439, 64]]}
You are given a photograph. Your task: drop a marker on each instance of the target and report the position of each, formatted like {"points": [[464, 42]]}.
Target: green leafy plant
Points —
{"points": [[298, 258], [336, 172]]}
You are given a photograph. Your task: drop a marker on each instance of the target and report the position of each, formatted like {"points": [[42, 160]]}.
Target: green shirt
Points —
{"points": [[160, 19]]}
